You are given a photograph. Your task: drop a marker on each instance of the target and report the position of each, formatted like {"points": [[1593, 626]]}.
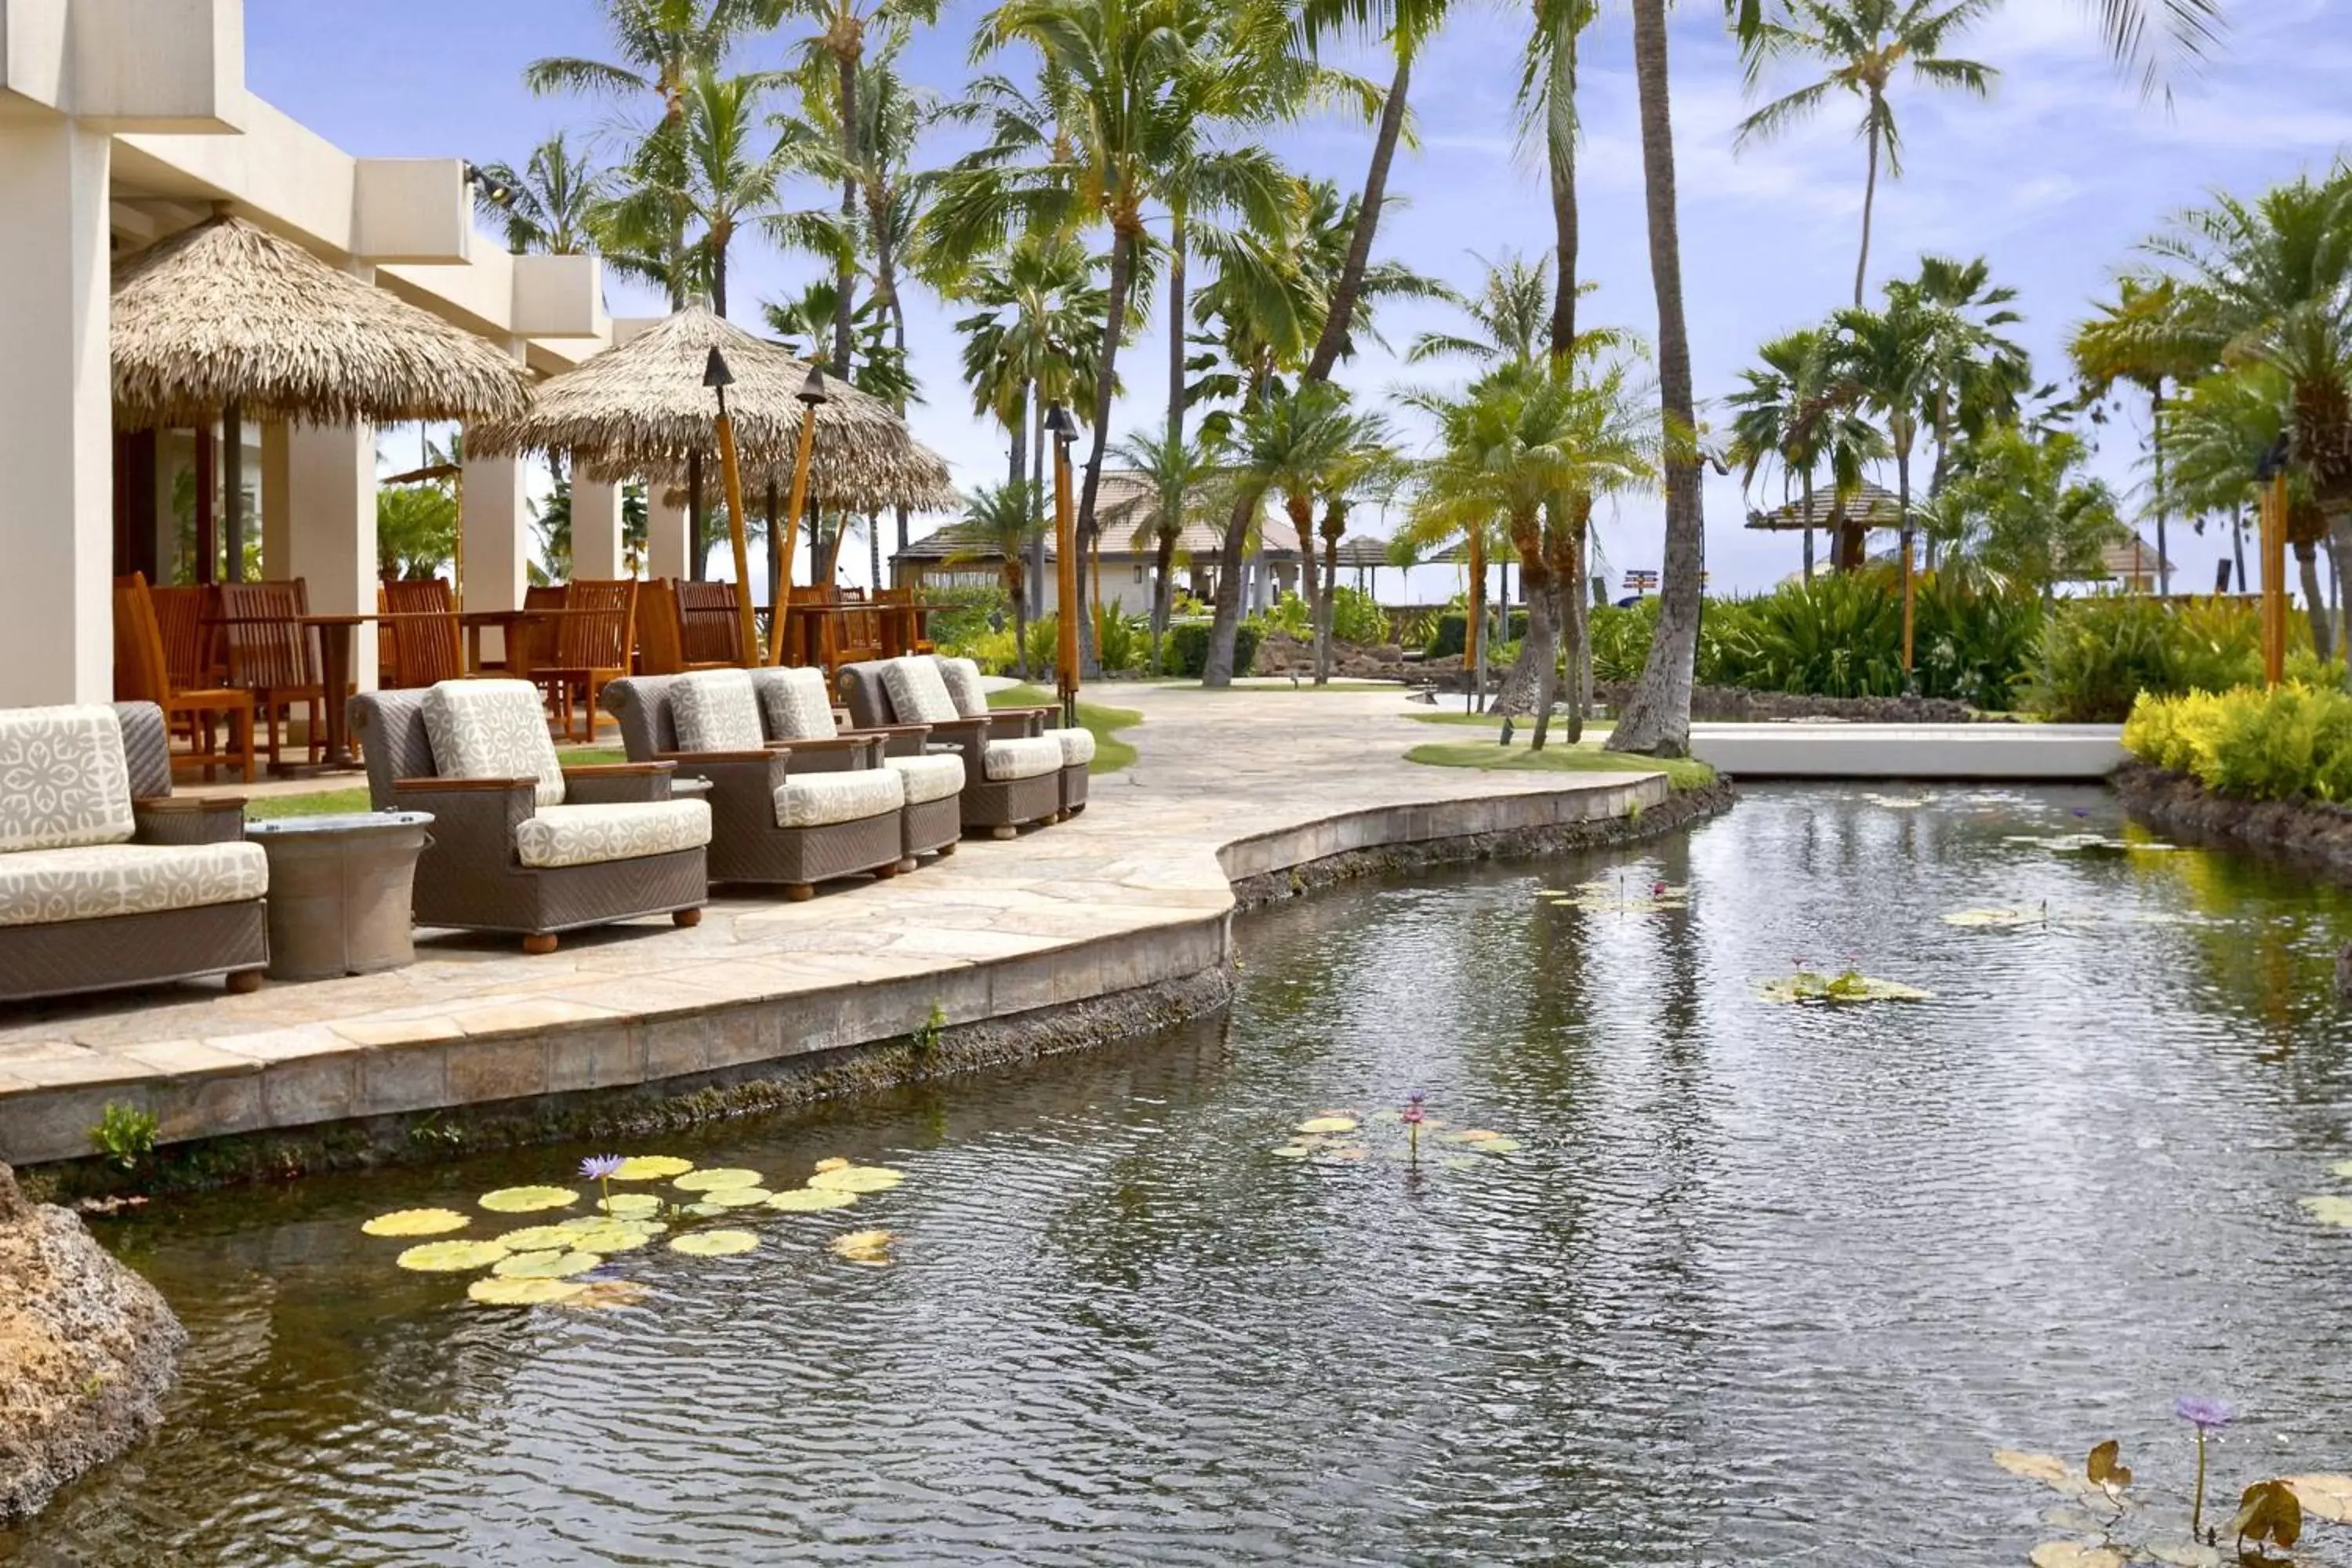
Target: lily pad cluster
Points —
{"points": [[557, 1262], [1604, 895], [1342, 1138], [2332, 1208], [2092, 843], [2107, 1523], [1846, 988]]}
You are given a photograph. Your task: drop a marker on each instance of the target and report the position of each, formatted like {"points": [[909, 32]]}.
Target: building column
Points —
{"points": [[495, 523], [331, 545], [596, 551], [57, 415], [277, 500], [665, 548]]}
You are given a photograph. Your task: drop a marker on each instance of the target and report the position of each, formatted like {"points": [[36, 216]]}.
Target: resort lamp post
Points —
{"points": [[1065, 430], [718, 378], [2271, 474], [813, 396]]}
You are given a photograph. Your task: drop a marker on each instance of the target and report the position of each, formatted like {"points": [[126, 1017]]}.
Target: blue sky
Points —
{"points": [[2056, 179]]}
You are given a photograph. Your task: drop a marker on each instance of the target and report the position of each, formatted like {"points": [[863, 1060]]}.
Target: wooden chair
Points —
{"points": [[273, 656], [189, 620], [713, 641], [661, 633], [533, 643], [425, 650], [142, 673], [593, 640], [903, 631]]}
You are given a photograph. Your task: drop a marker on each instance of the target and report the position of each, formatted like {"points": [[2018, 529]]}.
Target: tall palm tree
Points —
{"points": [[1864, 44], [2148, 35], [719, 172], [1181, 478], [1888, 361], [2222, 426], [1290, 442], [550, 207], [1789, 415], [1000, 524], [2124, 344], [1979, 379], [1510, 317]]}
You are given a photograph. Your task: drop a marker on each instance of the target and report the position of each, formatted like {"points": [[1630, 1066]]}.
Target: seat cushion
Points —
{"points": [[1078, 745], [1025, 758], [63, 778], [794, 704], [492, 730], [962, 678], [933, 776], [918, 693], [593, 834], [716, 711], [817, 800], [42, 887]]}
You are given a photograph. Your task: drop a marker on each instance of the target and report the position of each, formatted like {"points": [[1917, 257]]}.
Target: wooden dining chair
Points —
{"points": [[713, 641], [142, 673], [592, 639], [272, 655], [188, 617], [661, 633], [428, 647]]}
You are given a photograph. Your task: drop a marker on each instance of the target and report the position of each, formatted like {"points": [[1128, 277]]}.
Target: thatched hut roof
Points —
{"points": [[641, 410], [1872, 506], [227, 312]]}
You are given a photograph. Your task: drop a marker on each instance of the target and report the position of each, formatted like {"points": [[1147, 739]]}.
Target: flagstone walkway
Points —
{"points": [[1135, 891]]}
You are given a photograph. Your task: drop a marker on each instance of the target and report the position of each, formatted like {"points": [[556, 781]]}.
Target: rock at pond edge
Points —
{"points": [[87, 1351]]}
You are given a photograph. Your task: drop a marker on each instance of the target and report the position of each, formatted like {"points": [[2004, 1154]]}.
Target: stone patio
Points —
{"points": [[1136, 891]]}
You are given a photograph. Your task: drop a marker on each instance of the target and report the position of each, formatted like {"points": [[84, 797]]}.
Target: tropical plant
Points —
{"points": [[415, 529], [550, 205], [2019, 506], [1179, 476], [1888, 361], [1788, 415], [1864, 44], [713, 170], [999, 525], [2125, 345]]}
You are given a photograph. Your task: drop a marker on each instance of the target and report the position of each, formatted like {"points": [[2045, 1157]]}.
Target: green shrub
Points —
{"points": [[969, 614], [1356, 618], [125, 1134], [1045, 639], [1620, 639], [2290, 742], [2097, 655], [1286, 615], [1453, 634], [1122, 642], [1187, 653]]}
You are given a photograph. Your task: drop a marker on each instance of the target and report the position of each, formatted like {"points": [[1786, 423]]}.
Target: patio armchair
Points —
{"points": [[142, 673], [798, 815], [106, 879], [1009, 778], [1077, 743], [521, 844], [796, 710]]}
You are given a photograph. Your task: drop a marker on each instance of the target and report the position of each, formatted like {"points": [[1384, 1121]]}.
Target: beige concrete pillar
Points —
{"points": [[596, 529], [56, 457], [276, 499], [665, 537], [497, 526], [330, 544]]}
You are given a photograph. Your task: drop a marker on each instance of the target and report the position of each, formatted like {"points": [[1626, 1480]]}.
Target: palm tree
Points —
{"points": [[1865, 42], [999, 524], [2222, 427], [1979, 379], [550, 207], [1288, 442], [712, 173], [1179, 477], [2123, 343], [1511, 317], [1789, 415], [1888, 361]]}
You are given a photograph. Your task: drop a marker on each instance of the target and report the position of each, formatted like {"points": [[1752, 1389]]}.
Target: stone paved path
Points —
{"points": [[1134, 891]]}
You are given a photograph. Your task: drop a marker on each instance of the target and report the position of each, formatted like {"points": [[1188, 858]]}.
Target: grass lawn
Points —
{"points": [[1110, 754], [1493, 724], [1558, 758]]}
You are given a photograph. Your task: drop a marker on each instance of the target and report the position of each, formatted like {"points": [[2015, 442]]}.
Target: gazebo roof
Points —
{"points": [[1873, 506]]}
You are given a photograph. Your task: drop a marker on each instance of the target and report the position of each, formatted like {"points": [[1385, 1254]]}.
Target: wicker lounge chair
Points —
{"points": [[520, 843], [105, 880], [795, 709], [1009, 778], [800, 816], [1077, 744]]}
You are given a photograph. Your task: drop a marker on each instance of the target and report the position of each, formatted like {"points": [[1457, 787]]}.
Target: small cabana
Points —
{"points": [[1849, 517]]}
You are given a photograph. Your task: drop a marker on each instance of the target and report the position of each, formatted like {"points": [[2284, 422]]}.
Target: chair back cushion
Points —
{"points": [[64, 780], [962, 677], [716, 711], [794, 704], [919, 695], [492, 730]]}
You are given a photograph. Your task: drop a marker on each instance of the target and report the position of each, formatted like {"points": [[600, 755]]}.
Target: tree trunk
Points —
{"points": [[1344, 293], [1869, 203], [1301, 509], [2238, 544], [1122, 262], [1217, 670], [1020, 625], [1656, 719], [1036, 504], [719, 281], [1530, 679], [2156, 450], [1808, 528], [2306, 561], [1903, 513], [1332, 530], [1163, 568], [1176, 246], [845, 271]]}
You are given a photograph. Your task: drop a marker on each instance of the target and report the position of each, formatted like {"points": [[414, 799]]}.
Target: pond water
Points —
{"points": [[1762, 1284]]}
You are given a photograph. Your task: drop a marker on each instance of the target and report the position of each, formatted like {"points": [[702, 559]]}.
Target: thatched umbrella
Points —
{"points": [[227, 320]]}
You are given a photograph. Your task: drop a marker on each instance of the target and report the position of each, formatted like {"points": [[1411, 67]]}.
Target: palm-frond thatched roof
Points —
{"points": [[1872, 506], [641, 411], [228, 313]]}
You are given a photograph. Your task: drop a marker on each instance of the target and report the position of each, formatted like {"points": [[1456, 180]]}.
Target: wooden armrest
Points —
{"points": [[1027, 708], [442, 786], [675, 759], [622, 770], [838, 744], [189, 803], [886, 730]]}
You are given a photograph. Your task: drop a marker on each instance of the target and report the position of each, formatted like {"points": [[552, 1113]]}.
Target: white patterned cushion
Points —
{"points": [[716, 711], [933, 776], [814, 800], [962, 677], [593, 834], [1025, 758], [795, 704], [41, 887], [1078, 745], [918, 693], [492, 730], [63, 780]]}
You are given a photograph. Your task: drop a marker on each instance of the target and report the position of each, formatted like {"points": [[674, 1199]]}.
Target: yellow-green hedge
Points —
{"points": [[2291, 742]]}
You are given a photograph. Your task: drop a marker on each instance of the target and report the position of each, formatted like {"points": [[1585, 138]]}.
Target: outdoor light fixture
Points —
{"points": [[812, 391], [1065, 430], [718, 378], [714, 373], [812, 397], [497, 195], [1060, 425]]}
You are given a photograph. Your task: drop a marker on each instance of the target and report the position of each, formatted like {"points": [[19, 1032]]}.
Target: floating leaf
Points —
{"points": [[1329, 1124], [734, 1198], [2002, 920], [858, 1178], [868, 1247], [540, 1237], [1294, 1151], [728, 1176], [2048, 1469], [525, 1200], [416, 1222], [1841, 989], [2105, 1466], [1459, 1163], [2076, 1555], [451, 1257], [2267, 1512], [836, 1163], [2330, 1210], [598, 1294], [630, 1205], [2324, 1497], [809, 1200], [714, 1243], [615, 1236], [545, 1265], [1497, 1145], [652, 1168], [2196, 1554], [1349, 1155], [528, 1292], [1473, 1135], [2341, 1168]]}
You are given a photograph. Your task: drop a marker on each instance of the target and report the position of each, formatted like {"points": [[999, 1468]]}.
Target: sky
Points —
{"points": [[2056, 178]]}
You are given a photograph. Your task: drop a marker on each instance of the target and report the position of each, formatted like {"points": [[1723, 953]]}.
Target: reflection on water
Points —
{"points": [[1765, 1285]]}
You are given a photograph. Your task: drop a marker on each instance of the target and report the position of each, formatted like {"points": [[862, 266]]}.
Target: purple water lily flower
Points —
{"points": [[601, 1167], [2205, 1415]]}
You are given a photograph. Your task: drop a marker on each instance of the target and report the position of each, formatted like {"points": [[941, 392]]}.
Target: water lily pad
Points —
{"points": [[1459, 1163], [2048, 1469], [858, 1178], [836, 1163], [2324, 1497], [734, 1198], [615, 1236], [2194, 1554], [1839, 990], [1998, 919], [809, 1200], [714, 1243], [1294, 1151], [511, 1292], [1328, 1124], [2330, 1209], [416, 1222], [1473, 1135], [725, 1176], [1499, 1144], [540, 1237], [652, 1168], [871, 1247], [629, 1205], [2077, 1554], [545, 1265], [527, 1200], [2341, 1168], [451, 1257], [599, 1294], [1346, 1154]]}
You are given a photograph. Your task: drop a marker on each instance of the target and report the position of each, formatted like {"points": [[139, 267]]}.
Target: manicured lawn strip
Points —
{"points": [[1110, 754], [1558, 758]]}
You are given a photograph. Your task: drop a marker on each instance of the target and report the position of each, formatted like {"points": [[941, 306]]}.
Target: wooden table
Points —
{"points": [[334, 632], [474, 622]]}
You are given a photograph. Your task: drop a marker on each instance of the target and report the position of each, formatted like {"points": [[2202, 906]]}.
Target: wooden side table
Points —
{"points": [[341, 891]]}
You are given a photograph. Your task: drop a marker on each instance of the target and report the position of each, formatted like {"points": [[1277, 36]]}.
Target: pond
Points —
{"points": [[1761, 1284]]}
